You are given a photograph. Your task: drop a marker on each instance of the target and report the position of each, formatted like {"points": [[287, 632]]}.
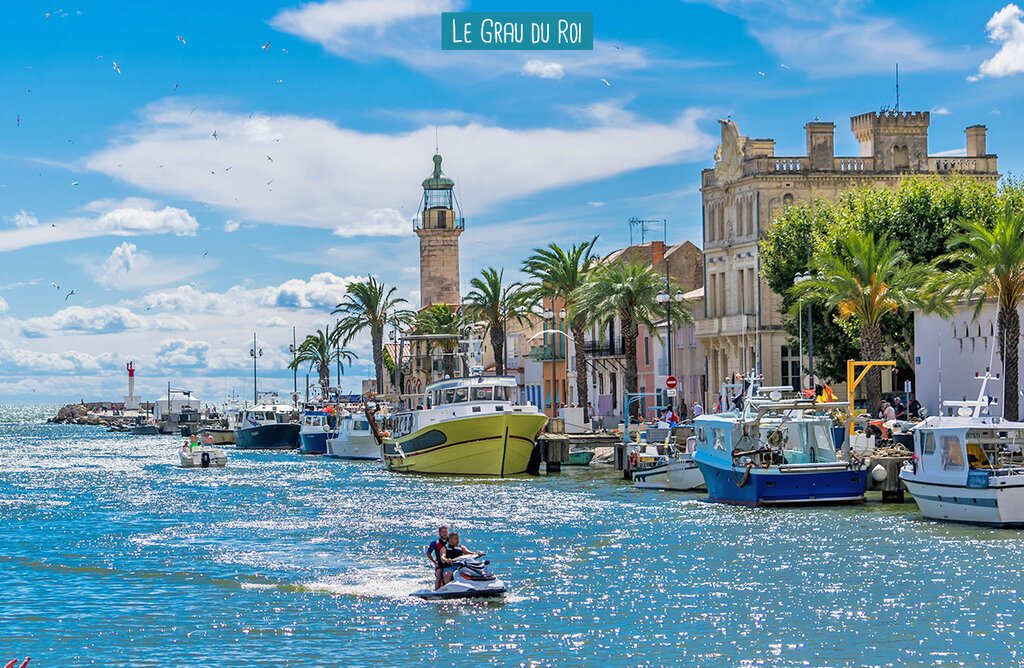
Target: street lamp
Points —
{"points": [[295, 369], [802, 278]]}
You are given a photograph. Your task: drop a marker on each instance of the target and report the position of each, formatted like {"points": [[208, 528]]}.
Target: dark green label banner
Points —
{"points": [[517, 31]]}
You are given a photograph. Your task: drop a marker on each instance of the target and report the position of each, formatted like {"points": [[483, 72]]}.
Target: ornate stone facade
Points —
{"points": [[742, 328]]}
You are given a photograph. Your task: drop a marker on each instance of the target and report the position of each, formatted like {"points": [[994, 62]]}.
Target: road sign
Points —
{"points": [[671, 382], [670, 393]]}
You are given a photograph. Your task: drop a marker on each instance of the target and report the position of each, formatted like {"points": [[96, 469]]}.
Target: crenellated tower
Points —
{"points": [[438, 225], [897, 140]]}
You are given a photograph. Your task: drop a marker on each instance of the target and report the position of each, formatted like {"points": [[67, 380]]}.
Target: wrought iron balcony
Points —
{"points": [[616, 348]]}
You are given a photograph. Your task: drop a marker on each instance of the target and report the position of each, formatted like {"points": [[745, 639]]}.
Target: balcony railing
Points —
{"points": [[615, 348]]}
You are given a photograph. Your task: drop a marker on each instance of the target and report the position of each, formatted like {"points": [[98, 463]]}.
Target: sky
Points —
{"points": [[129, 231]]}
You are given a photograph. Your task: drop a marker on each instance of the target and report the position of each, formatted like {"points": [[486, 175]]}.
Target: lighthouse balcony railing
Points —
{"points": [[438, 220]]}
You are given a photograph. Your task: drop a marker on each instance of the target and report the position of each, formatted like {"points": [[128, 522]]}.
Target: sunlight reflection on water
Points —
{"points": [[115, 555]]}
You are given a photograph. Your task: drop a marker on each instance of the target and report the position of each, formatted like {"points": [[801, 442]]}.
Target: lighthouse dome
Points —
{"points": [[437, 180]]}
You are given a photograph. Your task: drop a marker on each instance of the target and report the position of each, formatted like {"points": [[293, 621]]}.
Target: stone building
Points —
{"points": [[742, 327]]}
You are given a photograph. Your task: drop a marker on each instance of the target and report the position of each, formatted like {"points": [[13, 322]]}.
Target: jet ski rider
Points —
{"points": [[453, 551], [434, 554]]}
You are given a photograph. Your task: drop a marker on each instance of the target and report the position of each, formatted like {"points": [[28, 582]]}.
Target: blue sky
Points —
{"points": [[179, 245]]}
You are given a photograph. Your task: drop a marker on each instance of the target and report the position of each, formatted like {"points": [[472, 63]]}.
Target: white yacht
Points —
{"points": [[968, 467], [354, 440]]}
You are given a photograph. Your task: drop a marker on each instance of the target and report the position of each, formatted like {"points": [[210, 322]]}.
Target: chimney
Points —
{"points": [[657, 252], [820, 145], [760, 147], [976, 141]]}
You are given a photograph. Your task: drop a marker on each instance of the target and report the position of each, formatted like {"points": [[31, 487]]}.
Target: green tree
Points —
{"points": [[372, 305], [864, 282], [558, 275], [494, 303], [919, 216], [321, 349], [986, 261], [628, 290], [441, 319]]}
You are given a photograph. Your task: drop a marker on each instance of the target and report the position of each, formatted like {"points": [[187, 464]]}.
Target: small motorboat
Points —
{"points": [[674, 470], [579, 457], [119, 429], [474, 579], [202, 457]]}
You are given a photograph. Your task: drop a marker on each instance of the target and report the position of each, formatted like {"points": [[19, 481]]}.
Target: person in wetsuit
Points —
{"points": [[451, 552], [434, 554]]}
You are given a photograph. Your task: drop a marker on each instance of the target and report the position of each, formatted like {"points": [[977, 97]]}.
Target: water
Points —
{"points": [[112, 555]]}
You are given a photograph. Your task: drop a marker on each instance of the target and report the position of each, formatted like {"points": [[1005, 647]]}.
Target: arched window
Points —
{"points": [[787, 199], [900, 157]]}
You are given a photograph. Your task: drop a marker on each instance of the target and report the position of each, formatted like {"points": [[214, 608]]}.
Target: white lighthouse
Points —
{"points": [[131, 401]]}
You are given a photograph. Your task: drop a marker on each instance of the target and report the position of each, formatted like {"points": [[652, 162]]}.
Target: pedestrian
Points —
{"points": [[698, 410], [899, 409], [888, 413], [914, 408]]}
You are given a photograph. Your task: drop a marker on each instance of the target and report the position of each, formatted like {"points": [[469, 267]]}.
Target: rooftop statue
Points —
{"points": [[729, 156]]}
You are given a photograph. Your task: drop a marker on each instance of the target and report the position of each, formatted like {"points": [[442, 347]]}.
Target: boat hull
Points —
{"points": [[781, 486], [357, 447], [146, 430], [220, 436], [313, 442], [203, 458], [680, 475], [485, 445], [579, 458], [281, 436], [1001, 505]]}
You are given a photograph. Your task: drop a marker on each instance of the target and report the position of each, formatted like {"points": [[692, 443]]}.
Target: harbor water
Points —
{"points": [[112, 555]]}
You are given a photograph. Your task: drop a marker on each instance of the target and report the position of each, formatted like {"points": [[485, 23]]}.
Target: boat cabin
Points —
{"points": [[267, 414], [459, 398], [966, 451]]}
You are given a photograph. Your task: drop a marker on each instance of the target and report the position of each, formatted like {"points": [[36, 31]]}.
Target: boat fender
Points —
{"points": [[205, 457], [385, 433], [878, 474]]}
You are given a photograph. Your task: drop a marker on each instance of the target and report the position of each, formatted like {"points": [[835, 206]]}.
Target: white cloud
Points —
{"points": [[131, 217], [4, 306], [127, 267], [98, 320], [322, 291], [182, 353], [596, 203], [954, 152], [941, 111], [322, 176], [835, 37], [231, 225], [539, 68], [121, 260], [20, 360], [1006, 28], [407, 31]]}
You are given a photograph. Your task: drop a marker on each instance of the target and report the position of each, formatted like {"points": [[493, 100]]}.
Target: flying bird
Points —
{"points": [[266, 46], [227, 169], [762, 74], [182, 39], [214, 135], [285, 50], [270, 181], [784, 65], [606, 82], [270, 159], [17, 120], [193, 110], [205, 253], [74, 183], [47, 14], [118, 69], [56, 286], [279, 81], [176, 85], [70, 142], [69, 294]]}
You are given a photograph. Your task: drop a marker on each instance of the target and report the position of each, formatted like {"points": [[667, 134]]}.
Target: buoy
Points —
{"points": [[878, 474]]}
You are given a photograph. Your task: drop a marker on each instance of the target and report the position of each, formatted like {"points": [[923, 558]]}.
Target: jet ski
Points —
{"points": [[474, 579]]}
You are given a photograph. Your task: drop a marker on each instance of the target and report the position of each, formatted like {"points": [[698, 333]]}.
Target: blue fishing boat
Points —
{"points": [[773, 452], [314, 432], [267, 426]]}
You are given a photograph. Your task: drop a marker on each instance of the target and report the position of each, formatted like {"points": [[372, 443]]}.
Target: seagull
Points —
{"points": [[47, 14], [182, 39], [55, 285], [193, 110], [176, 85], [270, 159], [279, 81], [285, 50], [214, 135], [53, 224], [148, 307], [17, 120], [70, 142], [74, 183], [213, 172], [227, 169], [266, 46], [762, 74], [784, 65], [270, 181], [69, 294], [205, 253], [606, 82], [118, 69]]}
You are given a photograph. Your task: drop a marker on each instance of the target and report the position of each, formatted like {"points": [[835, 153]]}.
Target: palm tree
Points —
{"points": [[371, 304], [320, 349], [988, 262], [864, 280], [441, 319], [495, 303], [559, 275], [628, 290]]}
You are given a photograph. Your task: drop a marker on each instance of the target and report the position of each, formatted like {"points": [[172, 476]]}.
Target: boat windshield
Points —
{"points": [[802, 442], [483, 394]]}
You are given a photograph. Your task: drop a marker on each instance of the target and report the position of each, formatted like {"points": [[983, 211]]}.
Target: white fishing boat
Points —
{"points": [[968, 467], [674, 470], [354, 440], [202, 457]]}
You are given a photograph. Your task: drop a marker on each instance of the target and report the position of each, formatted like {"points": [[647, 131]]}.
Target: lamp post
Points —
{"points": [[667, 299], [295, 369], [801, 278], [255, 353]]}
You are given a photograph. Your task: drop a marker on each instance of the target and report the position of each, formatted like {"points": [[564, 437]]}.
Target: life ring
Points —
{"points": [[633, 459], [385, 433], [205, 458]]}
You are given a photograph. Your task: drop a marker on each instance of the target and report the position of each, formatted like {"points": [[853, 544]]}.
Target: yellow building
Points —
{"points": [[742, 327]]}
